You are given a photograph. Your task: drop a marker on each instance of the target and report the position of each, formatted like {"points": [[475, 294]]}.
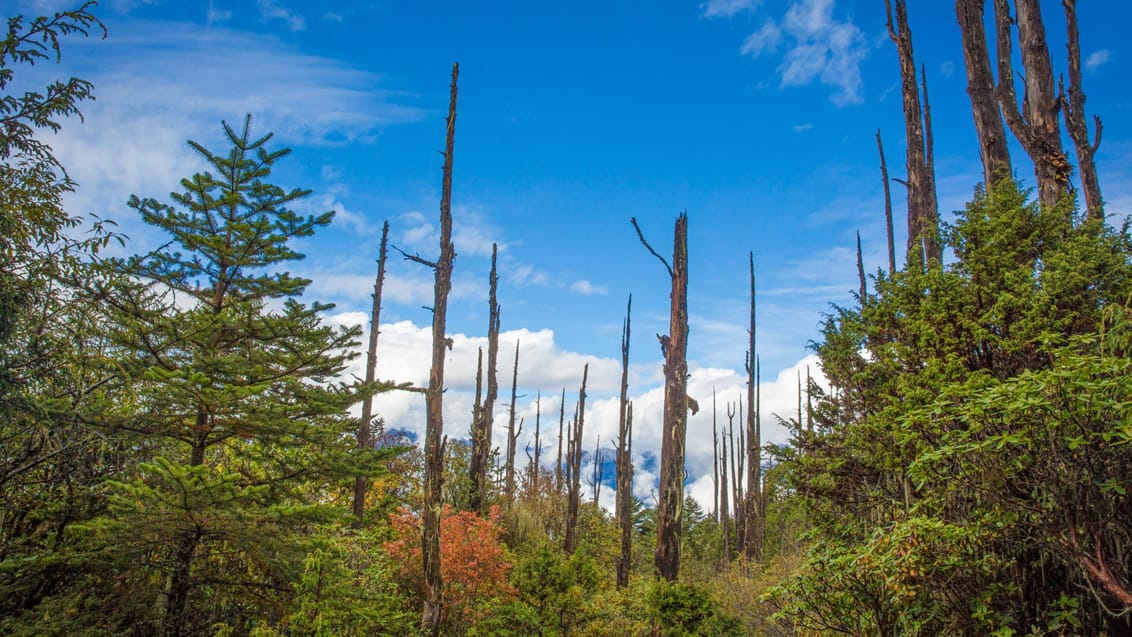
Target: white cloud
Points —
{"points": [[216, 16], [801, 128], [1097, 59], [727, 8], [819, 47], [947, 69], [273, 10], [585, 288]]}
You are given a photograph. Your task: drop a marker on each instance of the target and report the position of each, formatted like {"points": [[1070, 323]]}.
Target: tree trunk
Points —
{"points": [[725, 488], [923, 215], [1074, 104], [755, 516], [674, 348], [561, 422], [624, 458], [1037, 126], [575, 466], [434, 396], [365, 434], [512, 434], [887, 208], [481, 429], [980, 88]]}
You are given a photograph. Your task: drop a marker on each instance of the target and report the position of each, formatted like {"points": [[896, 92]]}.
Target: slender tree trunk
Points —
{"points": [[1075, 122], [481, 432], [714, 458], [674, 348], [1037, 125], [732, 452], [365, 433], [512, 434], [887, 208], [434, 396], [597, 471], [755, 515], [725, 487], [923, 216], [575, 461], [980, 88], [863, 291], [624, 458], [740, 492], [561, 422], [535, 466]]}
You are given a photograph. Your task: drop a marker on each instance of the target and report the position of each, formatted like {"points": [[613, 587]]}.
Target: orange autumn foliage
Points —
{"points": [[473, 561]]}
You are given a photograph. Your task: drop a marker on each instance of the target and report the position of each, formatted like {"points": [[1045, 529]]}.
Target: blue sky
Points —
{"points": [[757, 117]]}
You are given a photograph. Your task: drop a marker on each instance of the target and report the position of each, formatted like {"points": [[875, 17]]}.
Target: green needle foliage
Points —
{"points": [[233, 381]]}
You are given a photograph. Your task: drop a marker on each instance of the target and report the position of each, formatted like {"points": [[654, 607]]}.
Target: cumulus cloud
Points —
{"points": [[585, 288]]}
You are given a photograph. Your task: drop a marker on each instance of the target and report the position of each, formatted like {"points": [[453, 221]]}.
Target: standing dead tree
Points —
{"points": [[365, 432], [512, 433], [725, 493], [1074, 103], [574, 460], [980, 88], [1037, 123], [755, 516], [434, 395], [485, 418], [737, 481], [887, 207], [625, 458], [535, 469], [714, 458], [674, 348], [561, 423], [598, 471], [923, 210]]}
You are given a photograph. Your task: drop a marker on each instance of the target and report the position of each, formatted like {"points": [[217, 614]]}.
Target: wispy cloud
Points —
{"points": [[801, 128], [585, 288], [947, 69], [1098, 59], [727, 8], [274, 10], [818, 47]]}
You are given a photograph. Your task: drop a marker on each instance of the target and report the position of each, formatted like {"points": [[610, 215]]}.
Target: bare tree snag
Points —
{"points": [[863, 292], [1037, 125], [714, 458], [923, 213], [598, 471], [887, 207], [736, 473], [725, 491], [755, 517], [674, 348], [482, 426], [980, 88], [512, 434], [535, 463], [434, 396], [561, 422], [624, 458], [365, 433], [575, 465], [1074, 104]]}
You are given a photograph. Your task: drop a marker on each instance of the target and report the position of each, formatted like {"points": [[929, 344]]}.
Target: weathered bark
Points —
{"points": [[755, 516], [714, 458], [980, 88], [561, 422], [482, 426], [923, 213], [575, 465], [674, 348], [512, 433], [365, 434], [536, 467], [887, 207], [1037, 125], [624, 458], [736, 473], [598, 471], [1074, 104], [862, 293], [725, 487], [434, 395]]}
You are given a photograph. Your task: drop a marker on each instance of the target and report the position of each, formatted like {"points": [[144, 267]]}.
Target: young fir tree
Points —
{"points": [[234, 391]]}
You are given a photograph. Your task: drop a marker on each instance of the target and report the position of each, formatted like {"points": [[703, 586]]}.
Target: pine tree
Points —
{"points": [[234, 379]]}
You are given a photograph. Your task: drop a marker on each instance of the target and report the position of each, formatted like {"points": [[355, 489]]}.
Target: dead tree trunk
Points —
{"points": [[624, 458], [863, 291], [434, 395], [512, 434], [674, 348], [923, 213], [887, 208], [598, 470], [365, 433], [1075, 123], [536, 470], [1037, 125], [575, 466], [481, 428], [714, 458], [561, 422], [980, 88], [755, 515], [725, 487], [736, 473]]}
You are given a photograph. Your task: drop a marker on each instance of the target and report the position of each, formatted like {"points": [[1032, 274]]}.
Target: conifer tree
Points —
{"points": [[233, 377]]}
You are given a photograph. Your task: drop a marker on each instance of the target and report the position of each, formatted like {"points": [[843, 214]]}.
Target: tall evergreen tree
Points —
{"points": [[234, 390]]}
